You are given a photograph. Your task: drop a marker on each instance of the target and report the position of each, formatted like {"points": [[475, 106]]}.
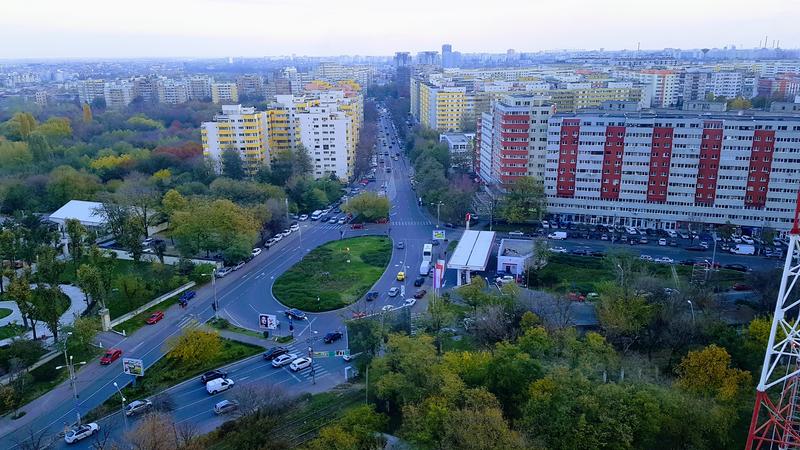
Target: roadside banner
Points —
{"points": [[267, 321], [438, 274], [133, 366]]}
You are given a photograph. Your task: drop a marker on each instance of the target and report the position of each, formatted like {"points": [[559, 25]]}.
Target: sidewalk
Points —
{"points": [[239, 337], [76, 308]]}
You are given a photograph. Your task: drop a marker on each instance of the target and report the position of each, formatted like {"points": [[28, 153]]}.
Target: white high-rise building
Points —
{"points": [[118, 94], [199, 87], [172, 92], [89, 90], [325, 133], [224, 93], [727, 84], [240, 129]]}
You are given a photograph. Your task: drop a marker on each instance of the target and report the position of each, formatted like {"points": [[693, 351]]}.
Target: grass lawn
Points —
{"points": [[567, 273], [326, 275], [169, 372], [137, 321], [11, 330], [4, 312], [223, 324], [134, 284], [45, 377]]}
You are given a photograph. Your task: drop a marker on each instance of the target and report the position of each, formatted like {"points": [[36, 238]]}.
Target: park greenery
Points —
{"points": [[368, 207], [334, 275]]}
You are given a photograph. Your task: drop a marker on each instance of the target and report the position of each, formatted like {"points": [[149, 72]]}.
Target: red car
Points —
{"points": [[357, 226], [154, 318], [742, 287], [359, 314], [382, 220], [576, 297], [111, 355]]}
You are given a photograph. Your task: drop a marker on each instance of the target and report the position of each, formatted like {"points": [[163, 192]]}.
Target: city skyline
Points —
{"points": [[254, 28]]}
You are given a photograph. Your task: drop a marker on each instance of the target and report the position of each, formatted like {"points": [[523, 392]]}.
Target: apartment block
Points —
{"points": [[224, 93], [172, 92], [89, 90], [118, 94], [199, 87], [250, 86], [240, 129], [668, 169]]}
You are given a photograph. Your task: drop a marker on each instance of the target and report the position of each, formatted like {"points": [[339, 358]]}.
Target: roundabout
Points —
{"points": [[334, 275]]}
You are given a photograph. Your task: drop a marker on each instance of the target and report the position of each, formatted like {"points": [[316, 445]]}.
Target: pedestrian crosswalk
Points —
{"points": [[316, 371], [413, 223], [188, 322], [406, 223]]}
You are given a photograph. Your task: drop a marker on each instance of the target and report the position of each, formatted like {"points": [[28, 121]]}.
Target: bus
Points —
{"points": [[427, 252]]}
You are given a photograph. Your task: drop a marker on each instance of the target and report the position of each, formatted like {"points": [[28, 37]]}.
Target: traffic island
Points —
{"points": [[334, 275]]}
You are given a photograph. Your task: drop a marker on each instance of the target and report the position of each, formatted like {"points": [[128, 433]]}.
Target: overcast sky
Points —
{"points": [[213, 28]]}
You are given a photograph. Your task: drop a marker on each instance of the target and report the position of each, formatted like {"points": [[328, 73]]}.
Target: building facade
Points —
{"points": [[118, 94], [224, 93], [240, 129], [669, 169]]}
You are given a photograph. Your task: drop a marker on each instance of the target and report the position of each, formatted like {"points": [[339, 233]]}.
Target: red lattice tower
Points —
{"points": [[776, 416]]}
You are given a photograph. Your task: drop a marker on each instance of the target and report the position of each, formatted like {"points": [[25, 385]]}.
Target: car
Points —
{"points": [[295, 314], [643, 240], [372, 295], [283, 359], [226, 406], [603, 237], [188, 295], [516, 233], [239, 266], [212, 375], [664, 260], [137, 407], [558, 249], [147, 242], [401, 276], [300, 364], [224, 271], [332, 337], [303, 217], [110, 356], [218, 385], [673, 243], [409, 302], [742, 287], [359, 314], [154, 318], [393, 291], [294, 227], [274, 352], [256, 251], [326, 211], [277, 237], [420, 293], [576, 297], [401, 245], [662, 242], [696, 248], [704, 244], [419, 281], [357, 226], [645, 257], [737, 267], [286, 232], [342, 220], [82, 432]]}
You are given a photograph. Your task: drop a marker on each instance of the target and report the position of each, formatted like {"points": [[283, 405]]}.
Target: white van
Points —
{"points": [[218, 385], [316, 215], [557, 235], [424, 268], [671, 233]]}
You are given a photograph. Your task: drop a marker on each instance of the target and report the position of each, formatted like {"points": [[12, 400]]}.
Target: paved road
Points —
{"points": [[242, 295]]}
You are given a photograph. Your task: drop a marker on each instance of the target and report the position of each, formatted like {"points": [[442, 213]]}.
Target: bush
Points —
{"points": [[202, 273]]}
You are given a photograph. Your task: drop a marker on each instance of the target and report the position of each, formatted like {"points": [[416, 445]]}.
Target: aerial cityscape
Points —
{"points": [[275, 225]]}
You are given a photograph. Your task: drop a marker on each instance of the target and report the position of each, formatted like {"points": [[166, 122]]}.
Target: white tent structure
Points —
{"points": [[471, 254], [87, 213]]}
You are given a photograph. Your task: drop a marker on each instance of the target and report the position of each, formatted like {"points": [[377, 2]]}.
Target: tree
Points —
{"points": [[408, 370], [47, 300], [356, 430], [172, 202], [524, 200], [368, 207], [65, 184], [214, 226], [84, 330], [726, 230], [474, 294], [708, 372], [89, 280], [196, 347], [739, 103], [508, 376], [140, 198], [623, 314], [157, 431], [8, 252], [261, 400], [232, 165], [87, 113], [20, 291], [77, 235]]}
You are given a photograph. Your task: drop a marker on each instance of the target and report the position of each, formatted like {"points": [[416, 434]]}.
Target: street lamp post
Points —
{"points": [[691, 306], [438, 205], [122, 397], [70, 365]]}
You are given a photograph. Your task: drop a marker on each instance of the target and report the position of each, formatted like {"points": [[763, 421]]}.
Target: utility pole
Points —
{"points": [[68, 363], [214, 286], [122, 397], [691, 306], [438, 205]]}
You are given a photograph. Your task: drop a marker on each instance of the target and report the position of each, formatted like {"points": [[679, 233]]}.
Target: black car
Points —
{"points": [[295, 314], [274, 352], [696, 248], [213, 375], [419, 282], [372, 295], [332, 337], [737, 267]]}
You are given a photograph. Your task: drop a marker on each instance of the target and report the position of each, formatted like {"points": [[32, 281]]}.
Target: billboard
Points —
{"points": [[267, 321], [133, 366], [438, 235]]}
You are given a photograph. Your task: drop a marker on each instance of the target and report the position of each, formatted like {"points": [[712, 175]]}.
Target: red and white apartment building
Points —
{"points": [[512, 139], [669, 168]]}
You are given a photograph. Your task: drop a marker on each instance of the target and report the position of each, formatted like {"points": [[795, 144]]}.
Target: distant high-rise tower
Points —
{"points": [[447, 56], [402, 59]]}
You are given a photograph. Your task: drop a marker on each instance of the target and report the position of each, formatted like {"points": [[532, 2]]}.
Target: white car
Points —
{"points": [[326, 211], [393, 291], [277, 238], [286, 233], [646, 258], [283, 360], [558, 249], [664, 260], [294, 227], [238, 266], [218, 385], [224, 271], [256, 252], [137, 406], [342, 220], [81, 432], [147, 242], [748, 240], [300, 364], [409, 302], [303, 217], [662, 242]]}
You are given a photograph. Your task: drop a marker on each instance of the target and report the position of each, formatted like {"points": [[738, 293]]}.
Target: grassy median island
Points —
{"points": [[326, 275]]}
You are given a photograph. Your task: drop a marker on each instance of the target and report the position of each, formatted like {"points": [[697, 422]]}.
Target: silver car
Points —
{"points": [[226, 406], [137, 407]]}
